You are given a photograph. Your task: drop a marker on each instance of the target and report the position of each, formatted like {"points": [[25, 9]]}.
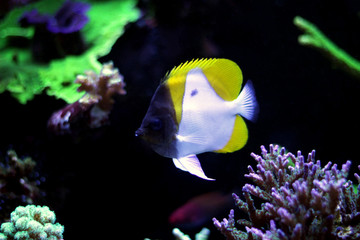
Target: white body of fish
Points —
{"points": [[207, 120]]}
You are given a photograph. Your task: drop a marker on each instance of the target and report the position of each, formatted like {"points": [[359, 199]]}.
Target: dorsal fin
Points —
{"points": [[224, 76], [175, 80], [185, 67]]}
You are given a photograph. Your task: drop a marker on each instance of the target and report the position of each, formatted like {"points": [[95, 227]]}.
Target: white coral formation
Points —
{"points": [[32, 222]]}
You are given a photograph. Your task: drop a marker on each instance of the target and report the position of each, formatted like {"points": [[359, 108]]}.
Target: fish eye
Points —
{"points": [[156, 124]]}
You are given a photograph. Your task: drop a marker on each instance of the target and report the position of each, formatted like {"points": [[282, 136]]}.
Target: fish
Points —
{"points": [[201, 209], [198, 107]]}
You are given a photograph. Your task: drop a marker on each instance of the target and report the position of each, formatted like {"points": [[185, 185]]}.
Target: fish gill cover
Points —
{"points": [[26, 71]]}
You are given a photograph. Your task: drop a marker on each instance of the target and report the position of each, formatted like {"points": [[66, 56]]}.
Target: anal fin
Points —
{"points": [[192, 165], [179, 165]]}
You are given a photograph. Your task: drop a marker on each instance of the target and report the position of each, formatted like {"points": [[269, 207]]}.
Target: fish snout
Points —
{"points": [[140, 132]]}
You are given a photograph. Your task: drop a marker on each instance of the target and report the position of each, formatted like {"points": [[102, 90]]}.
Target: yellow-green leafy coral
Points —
{"points": [[24, 77], [313, 37]]}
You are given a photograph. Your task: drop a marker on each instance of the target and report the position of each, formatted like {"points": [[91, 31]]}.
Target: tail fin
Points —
{"points": [[247, 105]]}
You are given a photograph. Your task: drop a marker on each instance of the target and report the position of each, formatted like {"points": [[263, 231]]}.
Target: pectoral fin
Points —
{"points": [[192, 165]]}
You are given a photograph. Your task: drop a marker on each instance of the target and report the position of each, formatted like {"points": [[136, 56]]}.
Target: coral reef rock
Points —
{"points": [[299, 200]]}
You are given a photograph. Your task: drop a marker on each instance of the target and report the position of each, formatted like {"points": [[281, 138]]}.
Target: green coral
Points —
{"points": [[179, 235], [313, 37], [202, 235], [32, 222], [25, 78]]}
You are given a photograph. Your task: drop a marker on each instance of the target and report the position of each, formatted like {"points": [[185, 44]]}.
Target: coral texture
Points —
{"points": [[58, 35], [68, 39], [299, 200], [71, 17], [32, 222], [18, 185], [95, 105], [101, 88]]}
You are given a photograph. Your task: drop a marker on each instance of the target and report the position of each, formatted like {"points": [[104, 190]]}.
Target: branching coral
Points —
{"points": [[94, 107], [313, 37], [32, 222], [300, 200], [101, 88], [17, 184]]}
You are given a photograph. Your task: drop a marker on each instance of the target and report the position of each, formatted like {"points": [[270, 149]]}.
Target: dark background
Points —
{"points": [[105, 183]]}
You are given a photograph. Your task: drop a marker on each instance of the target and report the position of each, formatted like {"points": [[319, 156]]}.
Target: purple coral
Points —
{"points": [[300, 200], [57, 36], [71, 17], [34, 17]]}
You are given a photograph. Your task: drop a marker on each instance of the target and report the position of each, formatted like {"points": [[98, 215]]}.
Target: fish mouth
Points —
{"points": [[140, 133], [164, 149], [143, 134]]}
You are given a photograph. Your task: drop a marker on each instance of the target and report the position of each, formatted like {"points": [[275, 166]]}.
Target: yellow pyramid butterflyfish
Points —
{"points": [[198, 108]]}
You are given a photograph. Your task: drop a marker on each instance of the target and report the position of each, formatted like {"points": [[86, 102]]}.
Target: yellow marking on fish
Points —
{"points": [[238, 137], [224, 76]]}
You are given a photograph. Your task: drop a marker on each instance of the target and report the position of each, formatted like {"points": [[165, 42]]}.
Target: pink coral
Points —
{"points": [[94, 107]]}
